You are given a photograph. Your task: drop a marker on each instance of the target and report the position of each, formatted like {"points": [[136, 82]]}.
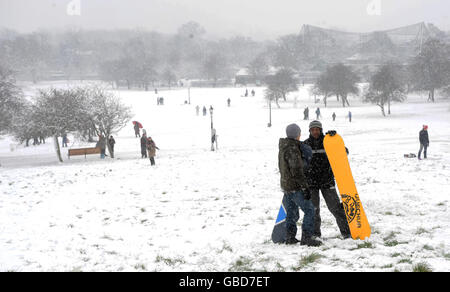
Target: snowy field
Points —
{"points": [[199, 210]]}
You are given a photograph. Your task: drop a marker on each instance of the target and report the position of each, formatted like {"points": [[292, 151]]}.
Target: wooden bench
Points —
{"points": [[83, 151]]}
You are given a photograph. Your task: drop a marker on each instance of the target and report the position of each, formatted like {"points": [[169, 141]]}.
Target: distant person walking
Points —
{"points": [[318, 115], [102, 145], [334, 116], [144, 146], [253, 92], [213, 139], [137, 130], [111, 142], [64, 140], [151, 148], [350, 116], [306, 114], [424, 142], [228, 102], [197, 110]]}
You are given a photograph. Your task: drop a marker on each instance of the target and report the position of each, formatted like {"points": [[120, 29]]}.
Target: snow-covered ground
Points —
{"points": [[199, 210]]}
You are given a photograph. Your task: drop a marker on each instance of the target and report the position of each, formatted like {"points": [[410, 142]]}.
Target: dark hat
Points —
{"points": [[315, 124], [293, 131]]}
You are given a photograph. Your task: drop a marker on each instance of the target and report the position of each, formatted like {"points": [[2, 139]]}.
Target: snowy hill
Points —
{"points": [[199, 210]]}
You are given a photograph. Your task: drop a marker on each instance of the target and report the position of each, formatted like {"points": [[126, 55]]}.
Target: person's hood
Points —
{"points": [[286, 142]]}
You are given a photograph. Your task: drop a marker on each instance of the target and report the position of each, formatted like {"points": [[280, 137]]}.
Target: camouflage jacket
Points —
{"points": [[291, 166]]}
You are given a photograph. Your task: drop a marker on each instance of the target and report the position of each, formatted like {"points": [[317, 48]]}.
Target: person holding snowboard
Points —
{"points": [[295, 187], [424, 142], [144, 146], [320, 178], [151, 148]]}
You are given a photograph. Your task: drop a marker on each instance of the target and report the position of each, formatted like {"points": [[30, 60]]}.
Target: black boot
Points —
{"points": [[292, 240], [309, 241], [346, 235], [290, 236]]}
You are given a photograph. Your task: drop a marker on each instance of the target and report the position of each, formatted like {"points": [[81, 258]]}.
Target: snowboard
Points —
{"points": [[337, 156], [279, 232]]}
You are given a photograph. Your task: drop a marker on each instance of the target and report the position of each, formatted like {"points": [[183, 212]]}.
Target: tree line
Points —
{"points": [[429, 71], [128, 58]]}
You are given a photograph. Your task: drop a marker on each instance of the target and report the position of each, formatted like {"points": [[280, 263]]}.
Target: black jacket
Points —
{"points": [[423, 137], [291, 165], [144, 142], [319, 174]]}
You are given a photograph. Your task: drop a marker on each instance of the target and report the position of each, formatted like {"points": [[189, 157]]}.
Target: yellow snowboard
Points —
{"points": [[356, 217]]}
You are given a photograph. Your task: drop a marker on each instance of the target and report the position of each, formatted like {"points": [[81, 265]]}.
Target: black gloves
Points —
{"points": [[306, 194], [332, 133]]}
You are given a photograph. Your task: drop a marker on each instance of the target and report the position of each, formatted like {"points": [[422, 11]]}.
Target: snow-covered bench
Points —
{"points": [[83, 151]]}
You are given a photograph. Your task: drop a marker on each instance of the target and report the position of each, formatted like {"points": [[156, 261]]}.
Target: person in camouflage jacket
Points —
{"points": [[295, 187]]}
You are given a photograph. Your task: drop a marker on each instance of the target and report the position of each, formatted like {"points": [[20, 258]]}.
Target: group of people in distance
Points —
{"points": [[319, 115]]}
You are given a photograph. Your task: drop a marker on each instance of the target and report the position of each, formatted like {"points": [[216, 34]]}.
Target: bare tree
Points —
{"points": [[215, 66], [11, 99], [169, 76], [279, 85], [59, 111], [323, 86], [258, 67], [340, 80], [385, 87], [105, 113], [431, 68]]}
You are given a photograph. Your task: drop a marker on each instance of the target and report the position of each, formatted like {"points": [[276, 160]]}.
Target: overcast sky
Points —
{"points": [[260, 19]]}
